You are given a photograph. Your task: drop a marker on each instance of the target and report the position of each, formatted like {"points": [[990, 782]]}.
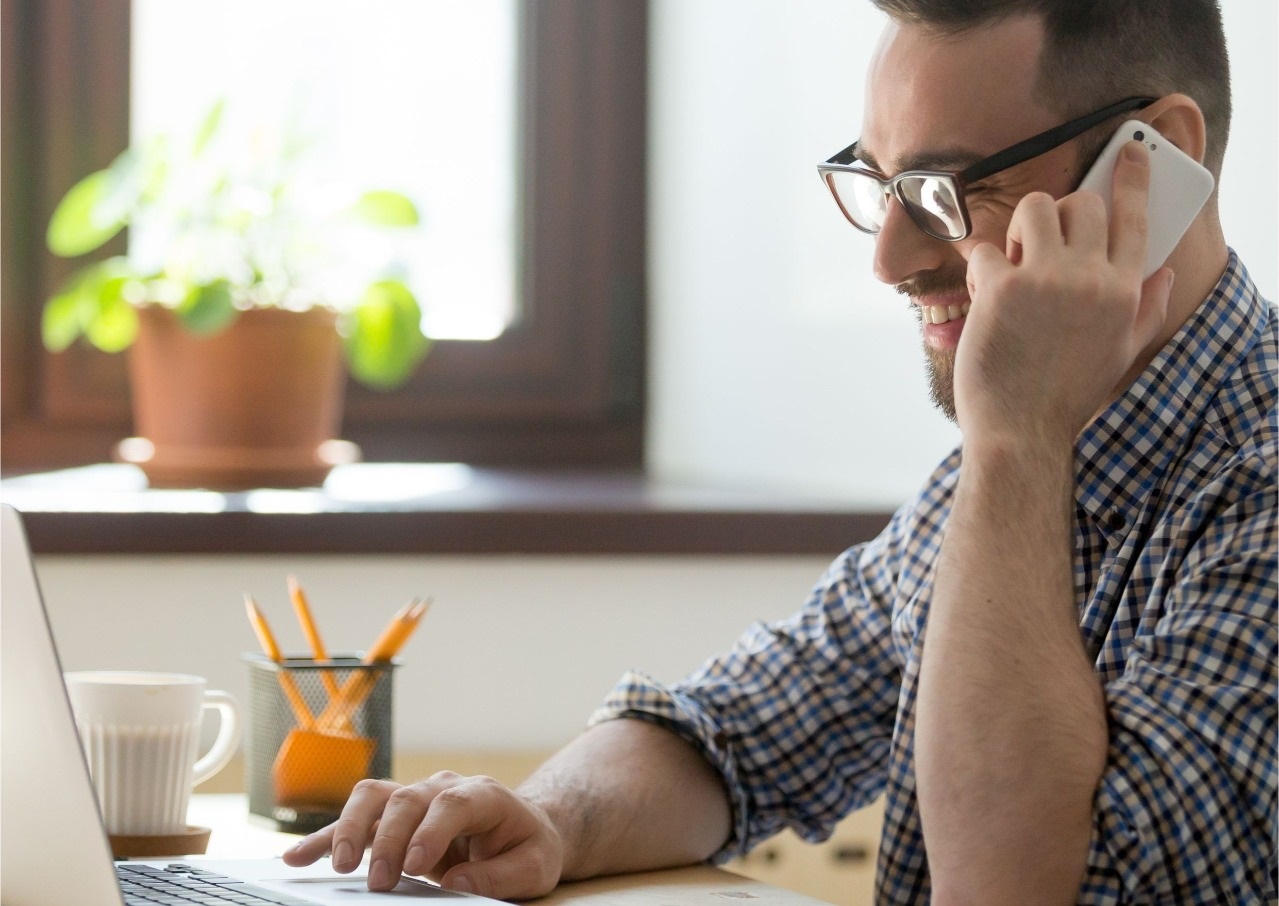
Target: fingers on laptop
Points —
{"points": [[346, 839], [469, 833]]}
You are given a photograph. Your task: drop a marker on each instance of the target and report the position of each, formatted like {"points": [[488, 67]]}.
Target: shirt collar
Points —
{"points": [[1122, 453]]}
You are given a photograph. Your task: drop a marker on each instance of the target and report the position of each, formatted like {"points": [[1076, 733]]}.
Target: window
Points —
{"points": [[562, 384], [412, 95]]}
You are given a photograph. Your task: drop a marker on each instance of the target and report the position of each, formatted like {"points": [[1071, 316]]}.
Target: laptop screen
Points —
{"points": [[53, 849]]}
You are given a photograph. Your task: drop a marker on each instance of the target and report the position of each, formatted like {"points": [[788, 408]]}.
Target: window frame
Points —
{"points": [[563, 387]]}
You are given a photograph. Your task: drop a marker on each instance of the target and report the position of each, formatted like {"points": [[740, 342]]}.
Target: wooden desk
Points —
{"points": [[237, 836]]}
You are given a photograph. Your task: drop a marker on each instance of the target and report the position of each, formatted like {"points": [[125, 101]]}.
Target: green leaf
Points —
{"points": [[209, 307], [386, 208], [155, 164], [87, 216], [61, 320], [114, 326], [93, 303], [208, 127], [383, 335]]}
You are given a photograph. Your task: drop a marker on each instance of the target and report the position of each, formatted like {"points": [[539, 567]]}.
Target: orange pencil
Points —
{"points": [[356, 689], [394, 635], [301, 712], [303, 610]]}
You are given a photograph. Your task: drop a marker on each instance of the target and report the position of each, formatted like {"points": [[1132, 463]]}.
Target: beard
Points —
{"points": [[941, 381], [940, 364]]}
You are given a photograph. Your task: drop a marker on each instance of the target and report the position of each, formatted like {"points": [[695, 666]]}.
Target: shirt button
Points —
{"points": [[1115, 521]]}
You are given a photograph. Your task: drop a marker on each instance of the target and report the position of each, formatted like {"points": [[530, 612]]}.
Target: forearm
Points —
{"points": [[1011, 728], [627, 796]]}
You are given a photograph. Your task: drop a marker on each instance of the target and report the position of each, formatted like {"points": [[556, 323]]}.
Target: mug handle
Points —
{"points": [[228, 739]]}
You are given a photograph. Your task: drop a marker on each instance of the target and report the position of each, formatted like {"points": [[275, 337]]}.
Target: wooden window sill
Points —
{"points": [[435, 508]]}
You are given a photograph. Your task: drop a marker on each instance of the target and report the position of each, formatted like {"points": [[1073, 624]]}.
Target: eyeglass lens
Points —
{"points": [[933, 204], [931, 201]]}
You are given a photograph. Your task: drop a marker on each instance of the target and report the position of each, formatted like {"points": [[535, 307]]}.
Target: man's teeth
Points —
{"points": [[940, 314]]}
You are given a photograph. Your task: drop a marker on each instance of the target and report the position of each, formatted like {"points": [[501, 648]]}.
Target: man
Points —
{"points": [[1057, 662]]}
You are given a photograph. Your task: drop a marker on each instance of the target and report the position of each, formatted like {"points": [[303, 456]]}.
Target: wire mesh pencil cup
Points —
{"points": [[315, 730]]}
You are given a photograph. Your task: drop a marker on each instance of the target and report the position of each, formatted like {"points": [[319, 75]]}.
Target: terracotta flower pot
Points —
{"points": [[256, 405]]}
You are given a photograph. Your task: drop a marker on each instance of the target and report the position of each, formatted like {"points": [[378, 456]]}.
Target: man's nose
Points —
{"points": [[902, 249]]}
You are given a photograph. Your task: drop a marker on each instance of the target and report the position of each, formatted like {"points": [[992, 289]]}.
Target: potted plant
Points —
{"points": [[245, 281]]}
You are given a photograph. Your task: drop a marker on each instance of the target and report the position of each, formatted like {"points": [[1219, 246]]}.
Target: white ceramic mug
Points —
{"points": [[141, 733]]}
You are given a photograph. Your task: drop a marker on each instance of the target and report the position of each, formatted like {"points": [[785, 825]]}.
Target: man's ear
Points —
{"points": [[1179, 119]]}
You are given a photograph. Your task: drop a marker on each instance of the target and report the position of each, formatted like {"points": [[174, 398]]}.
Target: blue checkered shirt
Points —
{"points": [[1175, 563]]}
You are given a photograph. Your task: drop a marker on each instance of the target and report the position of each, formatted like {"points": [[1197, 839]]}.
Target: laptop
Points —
{"points": [[53, 845]]}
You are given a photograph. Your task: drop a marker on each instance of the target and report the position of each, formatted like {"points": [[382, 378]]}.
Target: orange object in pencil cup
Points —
{"points": [[315, 730]]}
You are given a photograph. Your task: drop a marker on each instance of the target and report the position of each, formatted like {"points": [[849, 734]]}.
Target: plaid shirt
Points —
{"points": [[1175, 566]]}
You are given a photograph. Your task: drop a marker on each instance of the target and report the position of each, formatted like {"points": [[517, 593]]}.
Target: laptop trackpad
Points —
{"points": [[355, 889]]}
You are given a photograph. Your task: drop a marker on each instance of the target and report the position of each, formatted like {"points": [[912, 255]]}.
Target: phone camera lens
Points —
{"points": [[1139, 135]]}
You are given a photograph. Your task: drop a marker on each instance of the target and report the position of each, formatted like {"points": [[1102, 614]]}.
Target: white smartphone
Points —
{"points": [[1179, 186]]}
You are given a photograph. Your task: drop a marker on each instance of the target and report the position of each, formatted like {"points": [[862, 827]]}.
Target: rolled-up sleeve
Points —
{"points": [[1186, 810], [798, 717]]}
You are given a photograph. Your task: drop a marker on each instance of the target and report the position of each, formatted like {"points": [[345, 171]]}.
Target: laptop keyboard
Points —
{"points": [[184, 885]]}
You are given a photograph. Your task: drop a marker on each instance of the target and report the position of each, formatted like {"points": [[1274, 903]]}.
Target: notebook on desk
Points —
{"points": [[53, 846]]}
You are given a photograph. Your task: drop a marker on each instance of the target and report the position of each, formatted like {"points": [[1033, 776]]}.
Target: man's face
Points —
{"points": [[944, 102]]}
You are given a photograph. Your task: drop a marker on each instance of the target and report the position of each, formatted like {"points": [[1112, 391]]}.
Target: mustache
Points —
{"points": [[930, 283]]}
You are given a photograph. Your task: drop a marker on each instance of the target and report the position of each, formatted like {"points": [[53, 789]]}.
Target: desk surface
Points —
{"points": [[236, 836]]}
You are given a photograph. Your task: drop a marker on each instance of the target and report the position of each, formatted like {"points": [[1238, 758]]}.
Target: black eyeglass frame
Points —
{"points": [[1019, 153]]}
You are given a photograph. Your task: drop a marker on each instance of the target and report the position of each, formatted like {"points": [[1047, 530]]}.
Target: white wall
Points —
{"points": [[777, 358], [515, 654]]}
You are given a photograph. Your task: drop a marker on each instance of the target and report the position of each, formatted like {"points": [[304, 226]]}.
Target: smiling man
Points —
{"points": [[1057, 662]]}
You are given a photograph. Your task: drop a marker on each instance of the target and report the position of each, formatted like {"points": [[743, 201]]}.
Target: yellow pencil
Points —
{"points": [[303, 610], [357, 688], [301, 712], [393, 636]]}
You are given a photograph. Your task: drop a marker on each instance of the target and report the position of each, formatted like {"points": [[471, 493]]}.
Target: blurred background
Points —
{"points": [[626, 261]]}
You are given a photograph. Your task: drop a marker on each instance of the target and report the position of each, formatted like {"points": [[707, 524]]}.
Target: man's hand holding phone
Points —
{"points": [[1061, 314]]}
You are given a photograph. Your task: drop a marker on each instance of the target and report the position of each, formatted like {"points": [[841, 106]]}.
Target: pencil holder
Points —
{"points": [[315, 730]]}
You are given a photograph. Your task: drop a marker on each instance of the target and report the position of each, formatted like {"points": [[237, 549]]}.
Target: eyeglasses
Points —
{"points": [[934, 199]]}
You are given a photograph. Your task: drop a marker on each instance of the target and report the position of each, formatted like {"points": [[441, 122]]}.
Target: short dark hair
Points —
{"points": [[1100, 51]]}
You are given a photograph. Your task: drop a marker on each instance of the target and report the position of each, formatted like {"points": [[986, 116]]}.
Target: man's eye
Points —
{"points": [[980, 193]]}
